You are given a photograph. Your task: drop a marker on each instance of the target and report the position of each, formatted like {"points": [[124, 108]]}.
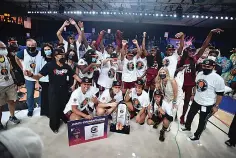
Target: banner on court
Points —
{"points": [[82, 131]]}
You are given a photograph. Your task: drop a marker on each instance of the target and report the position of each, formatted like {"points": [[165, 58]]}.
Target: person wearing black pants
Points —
{"points": [[59, 74], [44, 99], [232, 133], [207, 95]]}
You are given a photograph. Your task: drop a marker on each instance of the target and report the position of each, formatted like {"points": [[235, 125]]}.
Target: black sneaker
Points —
{"points": [[162, 136], [1, 127], [14, 120], [30, 113], [193, 138]]}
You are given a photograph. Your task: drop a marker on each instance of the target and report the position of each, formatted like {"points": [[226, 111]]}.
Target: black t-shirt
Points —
{"points": [[58, 76]]}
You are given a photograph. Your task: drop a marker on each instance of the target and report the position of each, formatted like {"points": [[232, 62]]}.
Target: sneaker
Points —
{"points": [[193, 138], [1, 127], [30, 113], [162, 136], [14, 120], [184, 129]]}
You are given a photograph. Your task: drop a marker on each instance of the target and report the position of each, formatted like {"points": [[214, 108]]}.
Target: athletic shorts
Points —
{"points": [[7, 93], [128, 85]]}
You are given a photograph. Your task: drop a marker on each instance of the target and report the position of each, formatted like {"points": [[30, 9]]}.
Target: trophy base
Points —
{"points": [[125, 130]]}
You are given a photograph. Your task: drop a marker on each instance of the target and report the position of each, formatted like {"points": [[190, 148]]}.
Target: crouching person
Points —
{"points": [[154, 116], [139, 101], [162, 112], [82, 101], [109, 99]]}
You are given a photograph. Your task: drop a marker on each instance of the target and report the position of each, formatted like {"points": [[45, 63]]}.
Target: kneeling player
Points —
{"points": [[154, 116], [109, 99], [140, 100], [82, 101], [165, 114]]}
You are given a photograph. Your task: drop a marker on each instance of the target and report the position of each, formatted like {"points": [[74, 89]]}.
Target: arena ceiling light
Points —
{"points": [[94, 13]]}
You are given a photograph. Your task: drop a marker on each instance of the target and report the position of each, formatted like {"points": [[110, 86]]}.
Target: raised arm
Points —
{"points": [[78, 30], [81, 25], [99, 39], [59, 32], [122, 51], [207, 41], [135, 42], [144, 44], [181, 47]]}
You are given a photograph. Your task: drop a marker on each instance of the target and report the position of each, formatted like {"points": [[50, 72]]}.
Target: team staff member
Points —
{"points": [[82, 101], [208, 94], [7, 88], [28, 59], [140, 100], [109, 99], [59, 73]]}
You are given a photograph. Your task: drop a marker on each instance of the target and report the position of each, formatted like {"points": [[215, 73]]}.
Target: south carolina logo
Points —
{"points": [[84, 103], [94, 129], [111, 73], [139, 65], [130, 66], [4, 71], [201, 85], [136, 103]]}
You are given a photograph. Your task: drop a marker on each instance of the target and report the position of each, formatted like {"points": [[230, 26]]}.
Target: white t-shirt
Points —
{"points": [[129, 73], [107, 75], [173, 61], [141, 66], [5, 73], [206, 88], [39, 65], [88, 74], [83, 101], [77, 47], [106, 98], [141, 101], [30, 63]]}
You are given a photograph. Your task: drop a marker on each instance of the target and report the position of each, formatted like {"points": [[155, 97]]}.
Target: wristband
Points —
{"points": [[193, 94], [82, 29]]}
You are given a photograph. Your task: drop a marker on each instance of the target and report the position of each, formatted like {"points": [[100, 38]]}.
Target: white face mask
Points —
{"points": [[3, 52], [212, 58]]}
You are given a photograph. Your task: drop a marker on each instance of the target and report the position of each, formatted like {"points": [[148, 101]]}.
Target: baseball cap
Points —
{"points": [[140, 82], [170, 46], [110, 45], [86, 80], [58, 51], [113, 55], [233, 50], [158, 92], [11, 39], [208, 62], [116, 84]]}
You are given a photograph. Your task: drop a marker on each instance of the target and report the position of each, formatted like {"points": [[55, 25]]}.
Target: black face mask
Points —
{"points": [[162, 76], [31, 49], [207, 71], [62, 60]]}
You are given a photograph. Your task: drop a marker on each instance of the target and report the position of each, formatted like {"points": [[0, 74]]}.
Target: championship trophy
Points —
{"points": [[120, 119]]}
